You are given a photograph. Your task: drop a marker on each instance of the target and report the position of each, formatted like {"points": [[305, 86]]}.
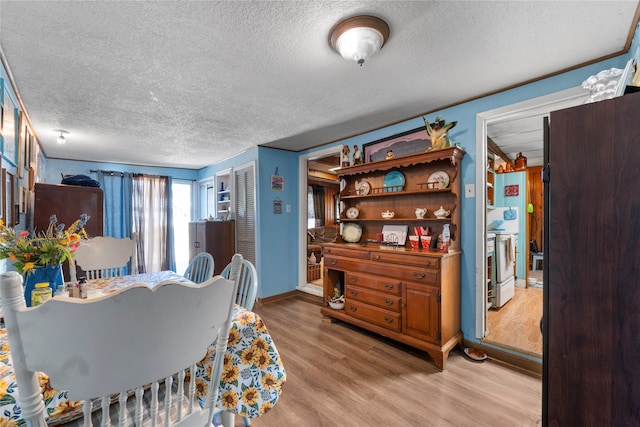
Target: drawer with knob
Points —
{"points": [[386, 301], [341, 263], [378, 316], [380, 270], [388, 285], [406, 259], [346, 252]]}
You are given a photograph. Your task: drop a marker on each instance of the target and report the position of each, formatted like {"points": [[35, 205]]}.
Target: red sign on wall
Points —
{"points": [[511, 190]]}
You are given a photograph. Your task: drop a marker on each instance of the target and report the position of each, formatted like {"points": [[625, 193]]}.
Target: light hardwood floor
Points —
{"points": [[517, 323], [340, 375]]}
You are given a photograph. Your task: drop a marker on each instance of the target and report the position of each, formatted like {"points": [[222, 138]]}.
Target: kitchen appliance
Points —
{"points": [[505, 258]]}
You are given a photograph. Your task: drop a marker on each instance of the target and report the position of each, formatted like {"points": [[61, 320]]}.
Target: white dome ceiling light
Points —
{"points": [[359, 38], [61, 139]]}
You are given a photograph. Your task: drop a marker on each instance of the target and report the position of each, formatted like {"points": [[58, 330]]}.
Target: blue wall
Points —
{"points": [[279, 252]]}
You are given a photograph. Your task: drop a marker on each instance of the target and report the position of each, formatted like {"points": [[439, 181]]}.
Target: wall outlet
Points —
{"points": [[470, 190], [288, 208]]}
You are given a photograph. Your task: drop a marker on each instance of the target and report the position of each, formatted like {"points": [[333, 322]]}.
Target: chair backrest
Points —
{"points": [[120, 343], [247, 284], [106, 257], [200, 268]]}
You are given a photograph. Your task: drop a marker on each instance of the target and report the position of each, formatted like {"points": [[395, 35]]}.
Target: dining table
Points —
{"points": [[251, 382]]}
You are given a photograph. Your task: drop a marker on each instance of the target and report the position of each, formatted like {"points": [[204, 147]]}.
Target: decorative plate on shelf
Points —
{"points": [[341, 207], [351, 232], [343, 184], [440, 179], [363, 188], [352, 213], [393, 181]]}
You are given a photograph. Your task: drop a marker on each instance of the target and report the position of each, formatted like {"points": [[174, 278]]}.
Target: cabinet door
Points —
{"points": [[591, 252], [421, 311], [197, 240], [220, 243]]}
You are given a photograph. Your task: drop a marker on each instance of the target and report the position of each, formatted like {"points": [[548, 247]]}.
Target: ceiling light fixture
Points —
{"points": [[359, 38], [61, 139]]}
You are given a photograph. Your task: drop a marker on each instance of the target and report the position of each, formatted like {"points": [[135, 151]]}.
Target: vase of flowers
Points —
{"points": [[39, 257]]}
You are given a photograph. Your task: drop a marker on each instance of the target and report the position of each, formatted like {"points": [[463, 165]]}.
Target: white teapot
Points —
{"points": [[441, 213], [421, 212]]}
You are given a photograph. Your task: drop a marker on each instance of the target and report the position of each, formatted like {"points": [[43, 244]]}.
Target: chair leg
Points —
{"points": [[246, 421], [228, 419]]}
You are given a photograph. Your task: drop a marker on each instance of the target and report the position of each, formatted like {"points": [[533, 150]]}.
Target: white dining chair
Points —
{"points": [[120, 343], [106, 257], [200, 268], [247, 284], [247, 292]]}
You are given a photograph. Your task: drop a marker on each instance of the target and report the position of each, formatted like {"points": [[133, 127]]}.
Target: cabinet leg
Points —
{"points": [[439, 359]]}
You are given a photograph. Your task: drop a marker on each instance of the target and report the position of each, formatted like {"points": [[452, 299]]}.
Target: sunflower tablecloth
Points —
{"points": [[251, 382]]}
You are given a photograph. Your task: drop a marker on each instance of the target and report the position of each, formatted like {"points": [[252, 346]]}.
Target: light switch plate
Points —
{"points": [[470, 190]]}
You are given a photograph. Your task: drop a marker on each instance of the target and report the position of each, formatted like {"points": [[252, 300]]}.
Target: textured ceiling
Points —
{"points": [[188, 84]]}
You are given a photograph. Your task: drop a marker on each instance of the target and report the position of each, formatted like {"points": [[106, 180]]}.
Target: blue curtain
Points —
{"points": [[117, 188], [118, 218]]}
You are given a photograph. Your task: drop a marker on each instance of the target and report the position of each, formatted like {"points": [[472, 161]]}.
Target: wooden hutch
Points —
{"points": [[409, 295]]}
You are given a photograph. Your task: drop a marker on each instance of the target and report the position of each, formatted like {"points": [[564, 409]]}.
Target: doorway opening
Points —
{"points": [[509, 289], [319, 215]]}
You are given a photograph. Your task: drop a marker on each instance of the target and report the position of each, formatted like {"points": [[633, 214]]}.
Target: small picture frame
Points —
{"points": [[277, 207], [277, 183], [23, 199]]}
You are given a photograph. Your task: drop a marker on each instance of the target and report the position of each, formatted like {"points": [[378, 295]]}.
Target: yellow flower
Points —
{"points": [[28, 266], [201, 388], [248, 356], [65, 407], [3, 388], [8, 422], [260, 343], [261, 359], [245, 318], [234, 337], [269, 381], [229, 399], [250, 395], [266, 407], [230, 374]]}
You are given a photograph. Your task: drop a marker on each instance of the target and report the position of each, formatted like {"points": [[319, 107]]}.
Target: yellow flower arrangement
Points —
{"points": [[50, 248]]}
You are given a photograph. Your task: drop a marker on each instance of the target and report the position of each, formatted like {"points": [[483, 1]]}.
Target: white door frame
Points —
{"points": [[532, 107], [303, 285]]}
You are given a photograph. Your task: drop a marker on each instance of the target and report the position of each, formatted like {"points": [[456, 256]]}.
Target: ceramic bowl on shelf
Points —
{"points": [[388, 214], [336, 305]]}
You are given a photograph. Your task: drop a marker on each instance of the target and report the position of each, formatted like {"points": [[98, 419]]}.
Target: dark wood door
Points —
{"points": [[591, 373]]}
